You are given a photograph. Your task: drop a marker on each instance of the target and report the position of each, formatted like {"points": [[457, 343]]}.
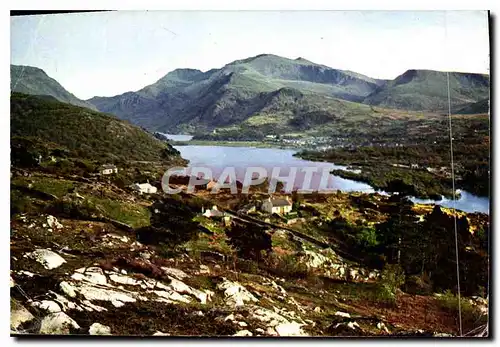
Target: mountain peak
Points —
{"points": [[255, 58], [267, 55], [175, 78], [183, 72], [302, 60], [35, 81]]}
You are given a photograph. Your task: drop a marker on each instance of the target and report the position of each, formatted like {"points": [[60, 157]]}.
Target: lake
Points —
{"points": [[467, 202], [219, 157]]}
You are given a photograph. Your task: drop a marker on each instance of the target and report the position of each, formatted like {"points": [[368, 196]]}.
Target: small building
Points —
{"points": [[144, 188], [414, 166], [277, 205], [108, 169], [214, 212]]}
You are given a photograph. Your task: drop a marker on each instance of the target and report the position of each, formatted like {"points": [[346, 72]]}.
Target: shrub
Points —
{"points": [[19, 203], [249, 240], [471, 316], [84, 210], [392, 278], [166, 236], [367, 237], [121, 180], [418, 284], [287, 266], [247, 266], [171, 224], [86, 166]]}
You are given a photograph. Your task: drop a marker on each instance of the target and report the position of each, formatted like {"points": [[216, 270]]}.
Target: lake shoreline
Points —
{"points": [[347, 174], [364, 174], [252, 144], [218, 156]]}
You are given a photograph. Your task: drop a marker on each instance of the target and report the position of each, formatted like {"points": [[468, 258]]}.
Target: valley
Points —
{"points": [[99, 248]]}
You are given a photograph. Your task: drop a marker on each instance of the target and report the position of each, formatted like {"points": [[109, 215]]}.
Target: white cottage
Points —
{"points": [[214, 212], [108, 169], [277, 205], [144, 188]]}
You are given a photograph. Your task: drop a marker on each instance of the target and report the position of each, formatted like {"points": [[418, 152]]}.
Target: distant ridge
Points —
{"points": [[427, 90], [34, 81], [482, 106]]}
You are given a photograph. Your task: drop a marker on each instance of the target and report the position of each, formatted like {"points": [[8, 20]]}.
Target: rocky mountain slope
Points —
{"points": [[85, 277], [187, 100], [81, 273], [229, 95], [267, 92], [34, 81], [427, 90], [133, 291]]}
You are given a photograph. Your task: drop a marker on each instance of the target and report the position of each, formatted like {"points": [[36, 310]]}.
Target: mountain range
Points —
{"points": [[268, 93]]}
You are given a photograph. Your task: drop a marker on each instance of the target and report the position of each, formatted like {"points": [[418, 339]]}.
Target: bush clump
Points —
{"points": [[250, 241], [392, 278], [286, 266], [75, 209], [471, 316], [171, 224], [19, 203]]}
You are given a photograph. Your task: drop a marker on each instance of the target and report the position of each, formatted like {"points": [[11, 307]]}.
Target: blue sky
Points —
{"points": [[104, 54]]}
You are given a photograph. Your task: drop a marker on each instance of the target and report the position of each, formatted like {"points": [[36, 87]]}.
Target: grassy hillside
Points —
{"points": [[482, 106], [34, 81], [291, 112], [81, 132], [427, 90]]}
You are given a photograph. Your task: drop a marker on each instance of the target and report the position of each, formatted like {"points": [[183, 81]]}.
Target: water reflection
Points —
{"points": [[219, 157]]}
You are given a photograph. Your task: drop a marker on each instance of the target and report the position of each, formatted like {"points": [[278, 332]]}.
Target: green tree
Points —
{"points": [[171, 224], [249, 240], [397, 230]]}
